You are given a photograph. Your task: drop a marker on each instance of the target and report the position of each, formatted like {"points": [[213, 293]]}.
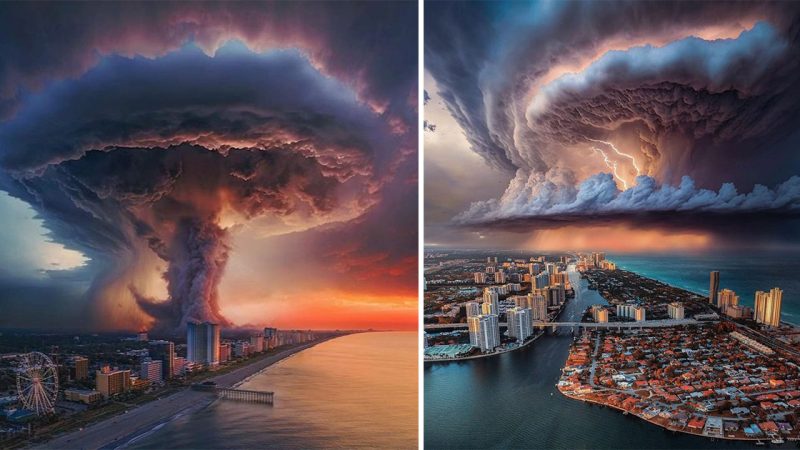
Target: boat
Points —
{"points": [[759, 443], [777, 441]]}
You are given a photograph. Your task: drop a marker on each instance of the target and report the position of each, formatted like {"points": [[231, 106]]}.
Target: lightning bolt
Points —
{"points": [[623, 154], [611, 165]]}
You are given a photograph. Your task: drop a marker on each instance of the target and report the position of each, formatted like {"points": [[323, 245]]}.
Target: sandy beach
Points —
{"points": [[120, 430]]}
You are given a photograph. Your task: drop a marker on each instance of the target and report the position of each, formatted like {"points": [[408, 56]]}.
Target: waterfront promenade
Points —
{"points": [[125, 428]]}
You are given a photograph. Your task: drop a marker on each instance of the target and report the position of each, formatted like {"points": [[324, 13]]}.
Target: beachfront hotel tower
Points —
{"points": [[768, 307], [202, 343], [713, 288]]}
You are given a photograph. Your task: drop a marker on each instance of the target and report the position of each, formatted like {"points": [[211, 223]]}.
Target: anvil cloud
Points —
{"points": [[621, 109], [153, 145]]}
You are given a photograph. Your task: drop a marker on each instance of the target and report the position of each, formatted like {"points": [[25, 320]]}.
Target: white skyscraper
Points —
{"points": [[484, 332], [202, 343], [519, 323]]}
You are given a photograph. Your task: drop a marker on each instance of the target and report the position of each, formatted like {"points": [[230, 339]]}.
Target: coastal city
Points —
{"points": [[704, 365], [484, 296], [53, 384]]}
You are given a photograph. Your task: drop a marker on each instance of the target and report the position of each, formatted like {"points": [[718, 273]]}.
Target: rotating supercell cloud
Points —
{"points": [[679, 114], [146, 141]]}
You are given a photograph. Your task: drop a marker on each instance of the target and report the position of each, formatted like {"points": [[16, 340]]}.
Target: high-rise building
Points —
{"points": [[224, 352], [768, 307], [726, 298], [257, 343], [473, 309], [78, 368], [490, 269], [112, 382], [488, 308], [639, 314], [713, 288], [542, 280], [538, 305], [739, 312], [491, 296], [631, 311], [142, 336], [151, 370], [484, 332], [164, 351], [241, 349], [675, 310], [480, 278], [598, 258], [556, 295], [178, 366], [519, 323], [500, 277], [271, 337], [599, 314], [202, 343]]}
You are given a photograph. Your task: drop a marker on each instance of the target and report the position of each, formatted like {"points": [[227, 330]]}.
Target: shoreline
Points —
{"points": [[483, 355], [651, 422], [125, 428]]}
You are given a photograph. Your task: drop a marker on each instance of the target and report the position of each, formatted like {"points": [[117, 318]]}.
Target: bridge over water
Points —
{"points": [[618, 325]]}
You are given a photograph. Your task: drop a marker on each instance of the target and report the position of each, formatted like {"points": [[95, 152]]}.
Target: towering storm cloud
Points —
{"points": [[145, 152], [624, 108]]}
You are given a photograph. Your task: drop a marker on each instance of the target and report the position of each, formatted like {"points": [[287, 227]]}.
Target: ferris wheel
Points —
{"points": [[37, 383]]}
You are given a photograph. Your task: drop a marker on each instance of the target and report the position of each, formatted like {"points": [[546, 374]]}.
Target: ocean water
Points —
{"points": [[743, 272], [354, 391]]}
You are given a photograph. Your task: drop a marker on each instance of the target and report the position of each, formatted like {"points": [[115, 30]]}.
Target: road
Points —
{"points": [[119, 430], [642, 324]]}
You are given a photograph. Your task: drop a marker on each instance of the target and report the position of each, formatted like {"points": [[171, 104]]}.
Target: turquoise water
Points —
{"points": [[744, 272]]}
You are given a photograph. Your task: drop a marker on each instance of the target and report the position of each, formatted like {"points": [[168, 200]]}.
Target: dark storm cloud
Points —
{"points": [[371, 46], [150, 155], [532, 85]]}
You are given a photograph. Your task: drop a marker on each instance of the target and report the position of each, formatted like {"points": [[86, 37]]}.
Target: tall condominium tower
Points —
{"points": [[538, 306], [484, 332], [473, 309], [726, 298], [164, 351], [768, 307], [713, 288], [202, 343], [519, 323]]}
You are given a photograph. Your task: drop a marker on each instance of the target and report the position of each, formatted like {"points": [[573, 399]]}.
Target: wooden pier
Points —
{"points": [[245, 395]]}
